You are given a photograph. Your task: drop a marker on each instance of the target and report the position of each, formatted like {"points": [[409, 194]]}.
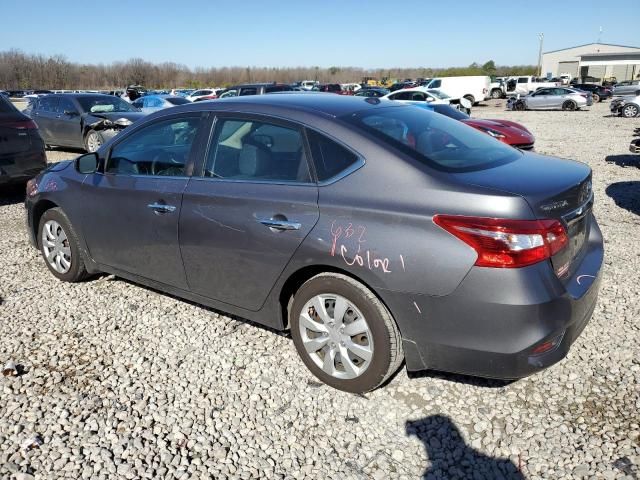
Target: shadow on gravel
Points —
{"points": [[237, 320], [624, 160], [12, 194], [450, 457], [464, 379], [626, 195]]}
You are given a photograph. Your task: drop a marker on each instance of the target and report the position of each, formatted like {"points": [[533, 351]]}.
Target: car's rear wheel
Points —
{"points": [[93, 141], [344, 333], [596, 98], [630, 110], [496, 93], [471, 99], [59, 246], [569, 105]]}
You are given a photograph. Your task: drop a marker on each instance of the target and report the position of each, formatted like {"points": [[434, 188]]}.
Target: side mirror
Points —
{"points": [[87, 163]]}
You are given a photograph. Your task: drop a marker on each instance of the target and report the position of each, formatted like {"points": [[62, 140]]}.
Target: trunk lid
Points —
{"points": [[554, 189]]}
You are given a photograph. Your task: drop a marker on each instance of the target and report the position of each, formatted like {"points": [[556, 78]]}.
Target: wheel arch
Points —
{"points": [[297, 278], [38, 210]]}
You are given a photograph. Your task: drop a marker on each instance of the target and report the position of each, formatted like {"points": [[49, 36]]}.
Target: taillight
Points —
{"points": [[504, 243], [21, 125]]}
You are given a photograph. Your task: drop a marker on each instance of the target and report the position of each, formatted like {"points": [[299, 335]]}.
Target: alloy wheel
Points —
{"points": [[55, 246], [336, 336], [630, 111], [93, 142]]}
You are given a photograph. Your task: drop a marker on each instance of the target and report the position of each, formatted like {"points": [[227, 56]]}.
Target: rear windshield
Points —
{"points": [[434, 139], [177, 101], [6, 106]]}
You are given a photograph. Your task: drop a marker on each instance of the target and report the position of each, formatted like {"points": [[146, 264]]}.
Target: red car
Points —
{"points": [[506, 131]]}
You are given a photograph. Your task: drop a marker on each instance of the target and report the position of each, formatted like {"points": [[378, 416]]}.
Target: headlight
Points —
{"points": [[494, 133], [123, 122]]}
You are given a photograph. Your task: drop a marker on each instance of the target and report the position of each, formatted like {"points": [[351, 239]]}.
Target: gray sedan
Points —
{"points": [[377, 233], [627, 87], [557, 98], [152, 103]]}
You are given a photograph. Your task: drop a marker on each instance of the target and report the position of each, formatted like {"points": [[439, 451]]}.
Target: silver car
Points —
{"points": [[628, 87], [557, 97]]}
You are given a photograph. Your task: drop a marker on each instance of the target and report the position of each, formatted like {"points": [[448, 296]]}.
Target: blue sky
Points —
{"points": [[274, 33]]}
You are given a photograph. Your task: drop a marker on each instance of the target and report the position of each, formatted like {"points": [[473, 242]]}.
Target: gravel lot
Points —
{"points": [[119, 381]]}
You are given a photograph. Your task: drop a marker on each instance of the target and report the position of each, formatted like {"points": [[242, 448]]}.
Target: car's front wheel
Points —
{"points": [[596, 98], [93, 141], [59, 246], [630, 110], [569, 105], [344, 334]]}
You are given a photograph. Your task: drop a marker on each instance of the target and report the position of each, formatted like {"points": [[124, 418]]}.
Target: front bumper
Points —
{"points": [[496, 318], [635, 146]]}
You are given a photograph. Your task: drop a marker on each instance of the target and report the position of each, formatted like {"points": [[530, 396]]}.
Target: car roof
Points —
{"points": [[310, 102]]}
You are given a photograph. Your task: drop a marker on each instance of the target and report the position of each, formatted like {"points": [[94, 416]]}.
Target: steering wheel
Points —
{"points": [[164, 162]]}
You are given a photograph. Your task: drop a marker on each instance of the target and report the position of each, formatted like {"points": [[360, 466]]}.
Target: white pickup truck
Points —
{"points": [[527, 84]]}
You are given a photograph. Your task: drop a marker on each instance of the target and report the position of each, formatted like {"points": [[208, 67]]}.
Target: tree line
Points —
{"points": [[19, 70]]}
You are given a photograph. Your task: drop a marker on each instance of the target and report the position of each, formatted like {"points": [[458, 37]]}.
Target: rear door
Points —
{"points": [[44, 115], [67, 122], [249, 210], [132, 209]]}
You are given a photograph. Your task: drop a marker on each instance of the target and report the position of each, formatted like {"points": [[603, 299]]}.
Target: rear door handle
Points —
{"points": [[280, 224], [161, 207]]}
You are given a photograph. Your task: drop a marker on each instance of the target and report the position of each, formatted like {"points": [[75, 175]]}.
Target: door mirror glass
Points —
{"points": [[87, 163]]}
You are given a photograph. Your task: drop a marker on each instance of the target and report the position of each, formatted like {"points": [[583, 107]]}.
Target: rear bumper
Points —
{"points": [[493, 322], [20, 168]]}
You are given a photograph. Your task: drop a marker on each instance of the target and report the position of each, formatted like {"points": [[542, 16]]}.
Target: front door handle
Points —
{"points": [[161, 207], [280, 224]]}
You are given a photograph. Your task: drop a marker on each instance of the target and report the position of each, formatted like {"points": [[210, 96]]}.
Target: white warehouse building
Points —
{"points": [[599, 60]]}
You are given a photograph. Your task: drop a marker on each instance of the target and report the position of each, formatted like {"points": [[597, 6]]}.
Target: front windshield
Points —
{"points": [[104, 104], [438, 94], [434, 139]]}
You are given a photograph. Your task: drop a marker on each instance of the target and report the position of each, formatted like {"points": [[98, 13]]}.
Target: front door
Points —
{"points": [[131, 220], [244, 218], [44, 115]]}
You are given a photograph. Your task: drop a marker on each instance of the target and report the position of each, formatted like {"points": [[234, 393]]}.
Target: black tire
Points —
{"points": [[630, 110], [387, 352], [519, 106], [77, 271], [569, 105], [496, 93], [596, 98], [471, 99], [88, 145]]}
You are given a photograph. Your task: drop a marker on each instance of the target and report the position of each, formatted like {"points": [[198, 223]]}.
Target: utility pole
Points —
{"points": [[541, 38]]}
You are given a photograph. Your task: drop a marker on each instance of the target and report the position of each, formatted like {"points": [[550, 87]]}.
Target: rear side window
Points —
{"points": [[278, 88], [248, 91], [48, 104], [161, 148], [257, 151], [330, 158]]}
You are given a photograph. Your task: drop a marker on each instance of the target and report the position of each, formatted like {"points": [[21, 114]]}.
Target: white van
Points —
{"points": [[473, 88]]}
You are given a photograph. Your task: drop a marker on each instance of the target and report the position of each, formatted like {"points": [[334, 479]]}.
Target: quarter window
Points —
{"points": [[162, 148], [257, 151], [330, 158]]}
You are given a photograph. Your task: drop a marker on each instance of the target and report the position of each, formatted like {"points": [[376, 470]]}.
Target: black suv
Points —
{"points": [[599, 93], [255, 89]]}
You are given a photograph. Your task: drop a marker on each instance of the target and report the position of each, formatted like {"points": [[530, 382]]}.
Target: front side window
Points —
{"points": [[257, 151], [162, 149], [329, 157], [248, 91], [434, 139], [65, 105]]}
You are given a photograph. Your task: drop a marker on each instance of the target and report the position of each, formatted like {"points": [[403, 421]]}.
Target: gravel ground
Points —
{"points": [[119, 381]]}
